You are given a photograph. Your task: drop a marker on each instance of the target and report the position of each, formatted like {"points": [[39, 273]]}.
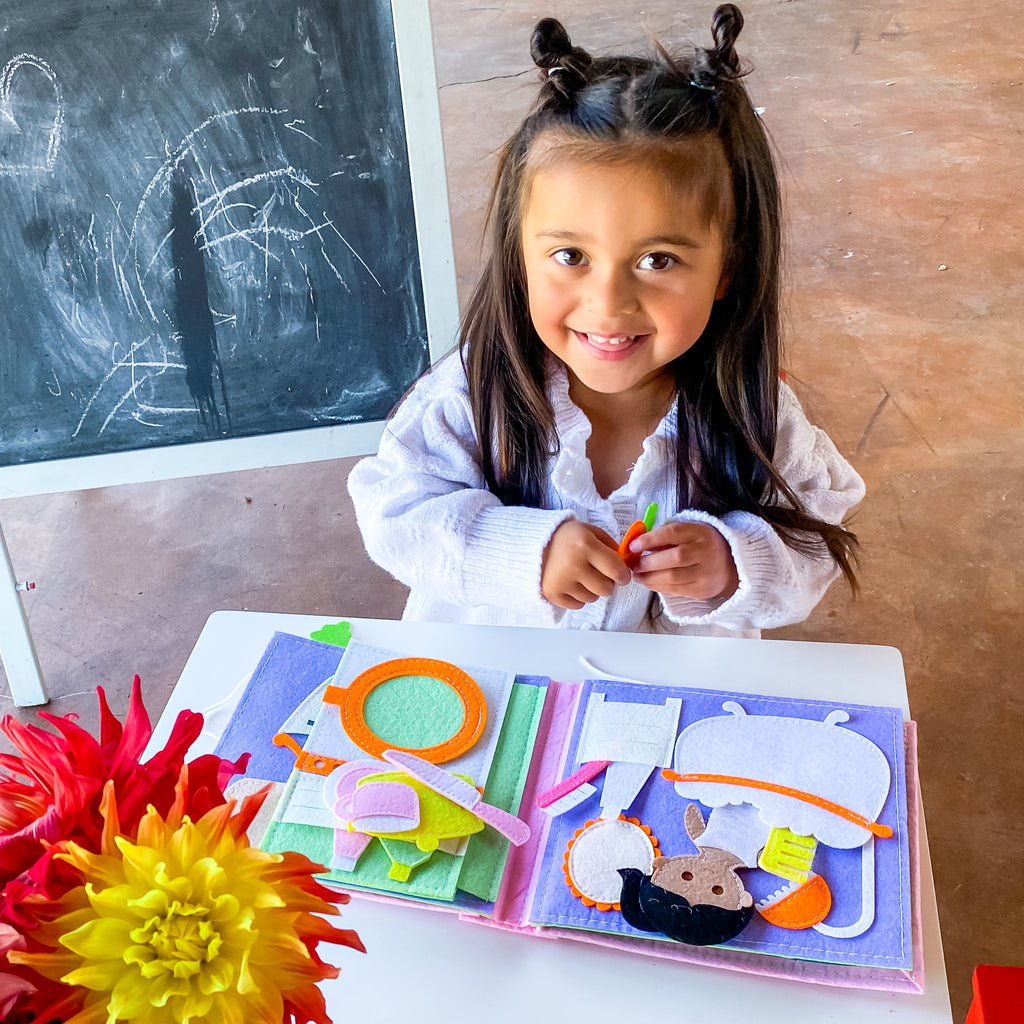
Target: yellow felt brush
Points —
{"points": [[788, 855]]}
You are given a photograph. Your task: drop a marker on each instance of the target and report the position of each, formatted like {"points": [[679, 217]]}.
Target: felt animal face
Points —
{"points": [[709, 878], [696, 898]]}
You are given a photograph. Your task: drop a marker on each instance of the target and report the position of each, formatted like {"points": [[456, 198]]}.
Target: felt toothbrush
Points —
{"points": [[574, 790], [638, 529], [461, 793]]}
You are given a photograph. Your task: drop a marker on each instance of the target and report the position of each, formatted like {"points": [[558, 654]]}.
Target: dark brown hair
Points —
{"points": [[727, 383]]}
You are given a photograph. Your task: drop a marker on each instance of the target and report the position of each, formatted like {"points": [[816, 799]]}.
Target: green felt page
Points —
{"points": [[488, 850], [440, 875], [434, 879]]}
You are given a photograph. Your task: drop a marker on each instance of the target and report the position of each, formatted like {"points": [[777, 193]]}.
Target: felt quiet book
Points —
{"points": [[761, 834]]}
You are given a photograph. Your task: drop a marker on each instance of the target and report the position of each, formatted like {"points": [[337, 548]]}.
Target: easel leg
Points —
{"points": [[16, 649]]}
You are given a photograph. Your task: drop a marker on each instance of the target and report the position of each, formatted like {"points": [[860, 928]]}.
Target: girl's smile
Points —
{"points": [[617, 346], [622, 271]]}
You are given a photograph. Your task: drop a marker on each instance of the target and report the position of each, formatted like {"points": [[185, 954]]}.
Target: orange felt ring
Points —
{"points": [[352, 698]]}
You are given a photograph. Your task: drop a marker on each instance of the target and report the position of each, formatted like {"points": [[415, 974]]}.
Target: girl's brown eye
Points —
{"points": [[657, 261], [569, 257], [717, 890], [687, 876]]}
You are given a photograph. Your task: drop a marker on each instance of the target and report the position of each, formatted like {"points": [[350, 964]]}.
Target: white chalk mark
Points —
{"points": [[129, 299], [178, 154], [165, 409], [130, 393], [312, 299], [159, 249], [330, 224], [214, 19], [55, 384], [255, 179], [299, 131], [137, 416], [119, 364], [56, 130], [266, 229], [337, 272], [266, 248], [117, 212], [250, 235], [220, 207]]}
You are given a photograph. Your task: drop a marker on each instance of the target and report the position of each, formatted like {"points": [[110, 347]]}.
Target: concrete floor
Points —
{"points": [[899, 127]]}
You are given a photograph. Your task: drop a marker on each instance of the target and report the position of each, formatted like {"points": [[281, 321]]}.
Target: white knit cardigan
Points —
{"points": [[427, 517]]}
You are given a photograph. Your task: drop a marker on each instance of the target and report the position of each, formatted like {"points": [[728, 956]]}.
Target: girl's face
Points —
{"points": [[622, 269]]}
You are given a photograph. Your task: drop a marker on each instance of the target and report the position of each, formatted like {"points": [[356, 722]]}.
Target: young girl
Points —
{"points": [[621, 348]]}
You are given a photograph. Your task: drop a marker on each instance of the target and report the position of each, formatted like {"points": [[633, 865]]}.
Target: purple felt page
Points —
{"points": [[887, 943], [845, 976], [291, 668], [522, 870]]}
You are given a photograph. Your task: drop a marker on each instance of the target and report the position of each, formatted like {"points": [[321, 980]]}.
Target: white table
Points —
{"points": [[432, 968]]}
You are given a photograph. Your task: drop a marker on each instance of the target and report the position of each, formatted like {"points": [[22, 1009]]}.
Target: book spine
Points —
{"points": [[548, 764]]}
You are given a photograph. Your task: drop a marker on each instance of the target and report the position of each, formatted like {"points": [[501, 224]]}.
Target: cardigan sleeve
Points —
{"points": [[427, 517], [779, 584]]}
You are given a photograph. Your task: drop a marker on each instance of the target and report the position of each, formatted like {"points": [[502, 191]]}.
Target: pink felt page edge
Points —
{"points": [[516, 891], [522, 866]]}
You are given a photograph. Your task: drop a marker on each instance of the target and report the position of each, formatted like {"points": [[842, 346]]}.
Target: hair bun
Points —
{"points": [[548, 43], [726, 25], [562, 64], [712, 68]]}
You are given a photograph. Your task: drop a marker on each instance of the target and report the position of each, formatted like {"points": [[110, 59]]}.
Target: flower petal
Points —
{"points": [[103, 938], [137, 731]]}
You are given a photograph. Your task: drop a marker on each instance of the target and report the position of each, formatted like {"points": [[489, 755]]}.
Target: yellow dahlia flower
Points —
{"points": [[189, 923]]}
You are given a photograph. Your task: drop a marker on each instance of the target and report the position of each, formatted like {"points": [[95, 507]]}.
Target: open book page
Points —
{"points": [[768, 825]]}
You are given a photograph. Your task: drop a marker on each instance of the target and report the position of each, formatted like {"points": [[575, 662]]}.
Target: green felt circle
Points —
{"points": [[413, 711]]}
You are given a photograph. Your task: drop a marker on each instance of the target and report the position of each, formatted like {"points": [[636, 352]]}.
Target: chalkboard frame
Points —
{"points": [[413, 41]]}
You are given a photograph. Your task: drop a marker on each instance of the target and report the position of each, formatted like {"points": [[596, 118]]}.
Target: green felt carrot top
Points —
{"points": [[640, 527]]}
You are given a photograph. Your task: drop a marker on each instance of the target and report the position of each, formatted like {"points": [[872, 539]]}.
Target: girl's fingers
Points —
{"points": [[698, 586], [676, 535], [613, 568], [667, 559], [591, 585], [594, 584]]}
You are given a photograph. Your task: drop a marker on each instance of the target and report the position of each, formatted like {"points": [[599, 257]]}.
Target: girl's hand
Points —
{"points": [[581, 563], [686, 559]]}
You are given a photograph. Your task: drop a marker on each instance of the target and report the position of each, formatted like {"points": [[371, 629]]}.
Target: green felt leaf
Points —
{"points": [[336, 633]]}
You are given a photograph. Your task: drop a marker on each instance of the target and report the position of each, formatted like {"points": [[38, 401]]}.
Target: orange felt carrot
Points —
{"points": [[640, 527], [636, 530]]}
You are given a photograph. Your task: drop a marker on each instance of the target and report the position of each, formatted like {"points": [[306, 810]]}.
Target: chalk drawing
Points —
{"points": [[218, 222], [15, 70]]}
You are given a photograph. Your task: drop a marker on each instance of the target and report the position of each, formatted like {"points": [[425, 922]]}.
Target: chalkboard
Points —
{"points": [[212, 214]]}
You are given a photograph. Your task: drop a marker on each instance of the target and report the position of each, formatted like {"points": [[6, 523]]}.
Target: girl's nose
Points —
{"points": [[611, 293]]}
